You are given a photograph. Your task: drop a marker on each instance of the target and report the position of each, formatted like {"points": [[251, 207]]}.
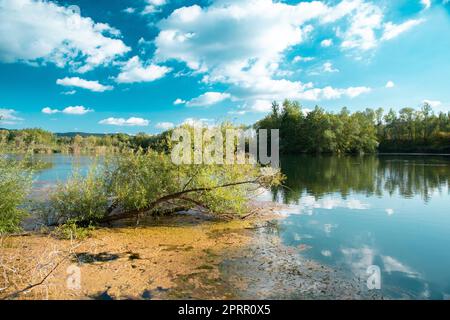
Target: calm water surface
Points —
{"points": [[354, 212]]}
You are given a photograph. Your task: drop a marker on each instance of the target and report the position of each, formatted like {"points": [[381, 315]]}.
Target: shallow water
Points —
{"points": [[350, 213]]}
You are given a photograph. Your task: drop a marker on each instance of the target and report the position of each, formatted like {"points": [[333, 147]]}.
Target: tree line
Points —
{"points": [[368, 131], [316, 131]]}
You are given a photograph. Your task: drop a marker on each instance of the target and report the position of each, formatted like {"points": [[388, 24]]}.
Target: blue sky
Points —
{"points": [[146, 65]]}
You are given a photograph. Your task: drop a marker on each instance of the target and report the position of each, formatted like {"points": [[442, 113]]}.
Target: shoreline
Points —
{"points": [[180, 257]]}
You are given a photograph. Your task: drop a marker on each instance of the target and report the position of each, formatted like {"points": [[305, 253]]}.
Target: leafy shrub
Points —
{"points": [[15, 183], [81, 198]]}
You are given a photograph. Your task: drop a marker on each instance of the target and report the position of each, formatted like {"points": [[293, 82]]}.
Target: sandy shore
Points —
{"points": [[179, 257]]}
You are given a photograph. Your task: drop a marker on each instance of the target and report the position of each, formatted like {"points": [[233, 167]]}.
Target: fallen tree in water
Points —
{"points": [[139, 184]]}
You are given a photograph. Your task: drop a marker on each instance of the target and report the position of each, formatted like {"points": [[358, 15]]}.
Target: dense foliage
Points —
{"points": [[40, 141], [366, 131], [15, 182]]}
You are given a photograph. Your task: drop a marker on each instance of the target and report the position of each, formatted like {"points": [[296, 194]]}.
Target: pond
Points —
{"points": [[351, 213]]}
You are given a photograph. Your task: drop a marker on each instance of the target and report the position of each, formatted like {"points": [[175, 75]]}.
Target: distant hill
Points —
{"points": [[72, 134]]}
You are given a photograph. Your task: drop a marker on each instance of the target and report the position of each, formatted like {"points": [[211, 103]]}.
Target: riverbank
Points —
{"points": [[179, 257]]}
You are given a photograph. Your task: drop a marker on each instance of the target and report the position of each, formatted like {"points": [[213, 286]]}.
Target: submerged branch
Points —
{"points": [[175, 196]]}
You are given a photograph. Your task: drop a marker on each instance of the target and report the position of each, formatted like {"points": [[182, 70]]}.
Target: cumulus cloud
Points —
{"points": [[390, 84], [242, 43], [48, 110], [179, 101], [208, 99], [42, 31], [330, 93], [77, 110], [122, 122], [165, 125], [135, 71], [9, 116], [85, 84], [72, 110], [364, 22]]}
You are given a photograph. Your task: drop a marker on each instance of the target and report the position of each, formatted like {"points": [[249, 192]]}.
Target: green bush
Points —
{"points": [[81, 198], [15, 183]]}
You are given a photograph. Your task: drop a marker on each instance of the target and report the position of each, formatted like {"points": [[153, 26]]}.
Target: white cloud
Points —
{"points": [[239, 112], [72, 110], [328, 67], [129, 10], [179, 101], [48, 110], [390, 84], [153, 6], [208, 99], [302, 59], [389, 211], [130, 122], [9, 116], [242, 44], [77, 110], [134, 71], [85, 84], [69, 93], [330, 93], [326, 43], [426, 3], [42, 31], [263, 106], [165, 125], [392, 31], [198, 122], [364, 22]]}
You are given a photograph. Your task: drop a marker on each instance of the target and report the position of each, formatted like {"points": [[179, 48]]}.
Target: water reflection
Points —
{"points": [[388, 211], [368, 175]]}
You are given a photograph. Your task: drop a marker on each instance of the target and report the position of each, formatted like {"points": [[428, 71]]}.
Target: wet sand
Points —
{"points": [[180, 257]]}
